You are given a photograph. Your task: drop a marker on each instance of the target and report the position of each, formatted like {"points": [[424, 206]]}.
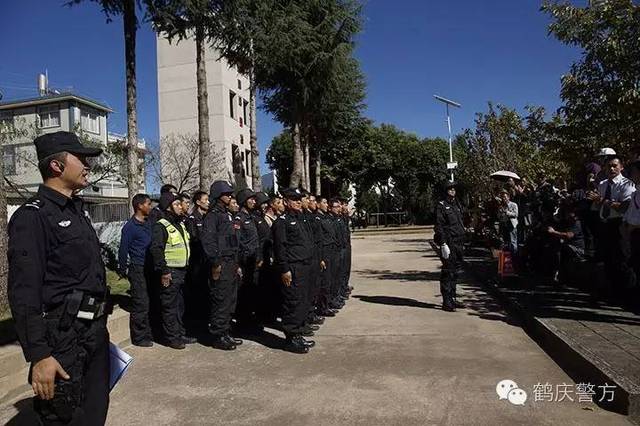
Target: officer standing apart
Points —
{"points": [[170, 252], [293, 249], [220, 244], [449, 234], [57, 289]]}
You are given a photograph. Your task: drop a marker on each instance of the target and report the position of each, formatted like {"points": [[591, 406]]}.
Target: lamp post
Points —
{"points": [[450, 165]]}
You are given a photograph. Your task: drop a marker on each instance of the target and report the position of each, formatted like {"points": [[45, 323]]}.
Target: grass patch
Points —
{"points": [[118, 286]]}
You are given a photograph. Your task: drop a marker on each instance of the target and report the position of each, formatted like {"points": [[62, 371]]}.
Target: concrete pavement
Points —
{"points": [[390, 357]]}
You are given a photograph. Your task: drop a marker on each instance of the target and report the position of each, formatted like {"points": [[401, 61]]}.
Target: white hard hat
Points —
{"points": [[604, 152]]}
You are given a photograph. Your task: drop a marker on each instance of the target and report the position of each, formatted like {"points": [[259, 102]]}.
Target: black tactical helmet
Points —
{"points": [[243, 195], [219, 188], [261, 198]]}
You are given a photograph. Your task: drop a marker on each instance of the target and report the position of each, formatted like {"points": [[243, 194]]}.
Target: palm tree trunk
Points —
{"points": [[307, 177], [204, 146], [256, 179], [130, 29], [298, 163]]}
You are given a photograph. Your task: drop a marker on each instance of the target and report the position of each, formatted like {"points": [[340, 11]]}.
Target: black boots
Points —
{"points": [[298, 345], [223, 342]]}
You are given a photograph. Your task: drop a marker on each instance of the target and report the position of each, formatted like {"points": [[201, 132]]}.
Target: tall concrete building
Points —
{"points": [[228, 98]]}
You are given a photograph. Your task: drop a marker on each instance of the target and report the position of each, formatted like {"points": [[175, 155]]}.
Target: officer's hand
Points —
{"points": [[239, 272], [43, 377], [323, 265], [286, 279], [166, 280], [259, 264], [215, 272]]}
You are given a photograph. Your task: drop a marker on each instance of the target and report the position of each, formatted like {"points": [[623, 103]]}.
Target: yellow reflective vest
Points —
{"points": [[176, 251]]}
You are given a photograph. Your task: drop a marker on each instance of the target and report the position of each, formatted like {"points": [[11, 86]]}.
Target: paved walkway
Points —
{"points": [[391, 357]]}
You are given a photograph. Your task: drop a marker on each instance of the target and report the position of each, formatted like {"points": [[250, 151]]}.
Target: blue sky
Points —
{"points": [[467, 50]]}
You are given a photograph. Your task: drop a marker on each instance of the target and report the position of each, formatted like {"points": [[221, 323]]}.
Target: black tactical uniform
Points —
{"points": [[346, 289], [315, 228], [268, 281], [449, 230], [196, 287], [330, 256], [57, 293], [249, 255], [336, 301], [293, 248], [220, 244]]}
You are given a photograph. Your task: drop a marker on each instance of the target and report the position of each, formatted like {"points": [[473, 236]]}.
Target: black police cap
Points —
{"points": [[261, 198], [54, 143], [244, 194], [292, 194]]}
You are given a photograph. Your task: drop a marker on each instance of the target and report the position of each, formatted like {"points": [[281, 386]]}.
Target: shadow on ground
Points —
{"points": [[400, 276], [26, 416], [396, 301]]}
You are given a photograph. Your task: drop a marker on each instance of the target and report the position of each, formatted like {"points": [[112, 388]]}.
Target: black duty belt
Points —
{"points": [[82, 305]]}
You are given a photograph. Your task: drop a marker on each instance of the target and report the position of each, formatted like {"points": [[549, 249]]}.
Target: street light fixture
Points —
{"points": [[450, 165]]}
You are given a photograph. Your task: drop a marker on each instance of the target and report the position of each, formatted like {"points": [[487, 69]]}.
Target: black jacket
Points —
{"points": [[292, 242], [265, 237], [219, 238], [248, 240], [449, 223], [53, 250]]}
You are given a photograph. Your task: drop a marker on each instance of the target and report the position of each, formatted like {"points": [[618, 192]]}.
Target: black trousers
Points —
{"points": [[83, 352], [269, 294], [315, 274], [329, 283], [339, 274], [347, 271], [449, 272], [172, 306], [635, 254], [196, 289], [247, 305], [139, 323], [223, 295], [616, 256], [295, 307]]}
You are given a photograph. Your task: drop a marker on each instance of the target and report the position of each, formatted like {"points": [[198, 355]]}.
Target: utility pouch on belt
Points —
{"points": [[81, 305], [71, 308]]}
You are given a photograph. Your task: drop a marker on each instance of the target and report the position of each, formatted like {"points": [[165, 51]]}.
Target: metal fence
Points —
{"points": [[388, 219], [111, 212]]}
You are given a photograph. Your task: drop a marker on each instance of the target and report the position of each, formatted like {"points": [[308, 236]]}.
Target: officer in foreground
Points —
{"points": [[449, 235], [293, 250], [57, 289]]}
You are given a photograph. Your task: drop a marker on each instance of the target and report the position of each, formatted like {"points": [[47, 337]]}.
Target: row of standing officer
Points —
{"points": [[267, 259]]}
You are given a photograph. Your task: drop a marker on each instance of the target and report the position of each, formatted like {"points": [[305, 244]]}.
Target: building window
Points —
{"points": [[90, 121], [239, 85], [232, 104], [6, 120], [236, 159], [248, 162], [245, 106], [241, 139], [9, 160], [49, 116]]}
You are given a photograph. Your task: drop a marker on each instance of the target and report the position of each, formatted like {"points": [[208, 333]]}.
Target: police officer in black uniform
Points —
{"points": [[220, 243], [196, 286], [318, 265], [336, 301], [266, 308], [250, 259], [293, 249], [330, 247], [449, 235], [57, 289]]}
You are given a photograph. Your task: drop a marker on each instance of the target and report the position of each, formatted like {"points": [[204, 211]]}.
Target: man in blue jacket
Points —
{"points": [[134, 243]]}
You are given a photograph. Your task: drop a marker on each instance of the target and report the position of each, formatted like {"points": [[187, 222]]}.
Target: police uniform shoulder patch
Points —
{"points": [[34, 203]]}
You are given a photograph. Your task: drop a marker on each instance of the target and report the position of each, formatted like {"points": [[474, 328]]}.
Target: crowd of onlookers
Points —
{"points": [[551, 227]]}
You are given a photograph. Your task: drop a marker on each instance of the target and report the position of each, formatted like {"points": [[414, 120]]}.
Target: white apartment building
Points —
{"points": [[228, 98], [52, 112]]}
